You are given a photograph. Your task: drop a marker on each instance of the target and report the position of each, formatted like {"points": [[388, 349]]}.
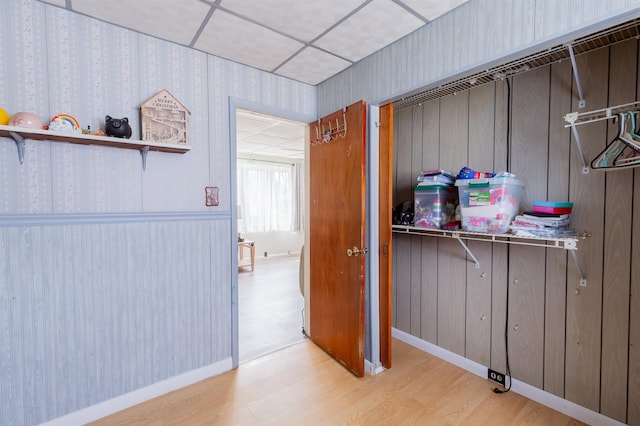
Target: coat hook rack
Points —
{"points": [[331, 133]]}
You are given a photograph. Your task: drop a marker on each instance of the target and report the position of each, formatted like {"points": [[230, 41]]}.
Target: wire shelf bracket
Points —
{"points": [[20, 144], [576, 137], [469, 252], [582, 102]]}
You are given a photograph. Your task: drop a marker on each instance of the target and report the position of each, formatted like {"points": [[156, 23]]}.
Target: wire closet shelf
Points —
{"points": [[608, 37]]}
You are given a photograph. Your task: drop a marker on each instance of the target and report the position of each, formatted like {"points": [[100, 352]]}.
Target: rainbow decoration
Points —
{"points": [[65, 123]]}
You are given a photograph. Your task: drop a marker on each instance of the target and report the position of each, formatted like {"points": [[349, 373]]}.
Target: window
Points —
{"points": [[270, 196]]}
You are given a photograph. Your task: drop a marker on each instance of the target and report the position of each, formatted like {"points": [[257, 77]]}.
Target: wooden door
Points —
{"points": [[337, 203], [384, 214]]}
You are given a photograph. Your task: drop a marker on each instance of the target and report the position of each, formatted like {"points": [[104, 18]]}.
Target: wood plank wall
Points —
{"points": [[580, 343]]}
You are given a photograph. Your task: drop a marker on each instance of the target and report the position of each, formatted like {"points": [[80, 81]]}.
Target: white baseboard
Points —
{"points": [[138, 396], [545, 398]]}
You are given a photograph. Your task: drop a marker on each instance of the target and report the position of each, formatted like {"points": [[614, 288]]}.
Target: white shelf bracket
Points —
{"points": [[457, 237], [576, 136], [583, 279], [20, 144], [143, 152], [581, 103]]}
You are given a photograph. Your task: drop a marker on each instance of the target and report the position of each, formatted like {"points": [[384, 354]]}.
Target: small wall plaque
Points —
{"points": [[211, 196]]}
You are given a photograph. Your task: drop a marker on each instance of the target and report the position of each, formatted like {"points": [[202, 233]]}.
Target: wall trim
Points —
{"points": [[538, 395], [235, 104], [141, 395], [35, 219], [372, 370]]}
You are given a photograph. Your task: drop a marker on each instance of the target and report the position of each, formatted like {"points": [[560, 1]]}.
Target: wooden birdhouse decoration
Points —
{"points": [[164, 119]]}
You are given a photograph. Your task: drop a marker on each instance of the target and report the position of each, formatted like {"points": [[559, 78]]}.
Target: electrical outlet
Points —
{"points": [[494, 376]]}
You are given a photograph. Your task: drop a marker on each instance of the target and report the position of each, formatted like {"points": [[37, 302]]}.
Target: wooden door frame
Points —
{"points": [[372, 129], [373, 237], [234, 105], [377, 234], [385, 247]]}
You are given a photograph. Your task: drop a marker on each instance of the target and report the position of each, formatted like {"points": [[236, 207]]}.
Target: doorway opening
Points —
{"points": [[270, 222]]}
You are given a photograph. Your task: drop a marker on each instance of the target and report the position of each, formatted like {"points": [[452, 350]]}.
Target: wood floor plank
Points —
{"points": [[269, 305], [302, 385]]}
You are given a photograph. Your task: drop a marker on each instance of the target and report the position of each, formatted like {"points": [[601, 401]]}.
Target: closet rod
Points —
{"points": [[578, 118]]}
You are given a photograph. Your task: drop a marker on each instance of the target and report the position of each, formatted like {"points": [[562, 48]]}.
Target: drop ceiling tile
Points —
{"points": [[431, 9], [312, 66], [61, 3], [265, 139], [242, 41], [242, 134], [250, 124], [249, 147], [285, 132], [298, 145], [154, 17], [304, 20], [373, 27]]}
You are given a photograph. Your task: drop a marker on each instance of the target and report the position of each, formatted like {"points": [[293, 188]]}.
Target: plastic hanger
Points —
{"points": [[630, 155], [607, 157], [630, 136]]}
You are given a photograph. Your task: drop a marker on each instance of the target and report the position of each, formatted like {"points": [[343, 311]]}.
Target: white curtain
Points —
{"points": [[270, 196]]}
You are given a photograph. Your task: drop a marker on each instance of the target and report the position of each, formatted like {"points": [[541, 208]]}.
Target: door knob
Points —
{"points": [[355, 251]]}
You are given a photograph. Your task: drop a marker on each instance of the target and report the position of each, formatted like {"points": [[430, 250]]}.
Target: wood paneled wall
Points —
{"points": [[580, 343]]}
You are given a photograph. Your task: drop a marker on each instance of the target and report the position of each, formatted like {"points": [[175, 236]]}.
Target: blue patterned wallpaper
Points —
{"points": [[108, 272], [67, 63]]}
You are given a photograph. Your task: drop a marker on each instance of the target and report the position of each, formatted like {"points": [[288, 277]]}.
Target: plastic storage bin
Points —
{"points": [[434, 205], [489, 205]]}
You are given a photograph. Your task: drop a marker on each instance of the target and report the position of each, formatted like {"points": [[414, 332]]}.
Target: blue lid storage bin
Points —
{"points": [[489, 205]]}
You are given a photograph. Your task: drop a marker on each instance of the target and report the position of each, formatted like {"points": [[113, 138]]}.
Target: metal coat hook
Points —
{"points": [[326, 136]]}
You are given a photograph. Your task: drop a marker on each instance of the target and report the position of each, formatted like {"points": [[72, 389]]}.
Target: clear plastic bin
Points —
{"points": [[434, 205], [489, 205]]}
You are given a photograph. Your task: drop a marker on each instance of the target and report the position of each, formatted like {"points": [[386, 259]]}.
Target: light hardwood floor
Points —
{"points": [[302, 385], [269, 305]]}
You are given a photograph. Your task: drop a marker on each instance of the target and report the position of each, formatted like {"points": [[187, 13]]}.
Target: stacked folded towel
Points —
{"points": [[436, 177], [547, 219]]}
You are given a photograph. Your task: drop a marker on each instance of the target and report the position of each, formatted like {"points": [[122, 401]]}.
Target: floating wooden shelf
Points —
{"points": [[567, 243], [19, 134]]}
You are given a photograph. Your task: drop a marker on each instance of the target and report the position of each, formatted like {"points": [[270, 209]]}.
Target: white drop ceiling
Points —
{"points": [[263, 137], [305, 40]]}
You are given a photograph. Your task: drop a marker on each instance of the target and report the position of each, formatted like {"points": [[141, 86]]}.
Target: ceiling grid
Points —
{"points": [[283, 37]]}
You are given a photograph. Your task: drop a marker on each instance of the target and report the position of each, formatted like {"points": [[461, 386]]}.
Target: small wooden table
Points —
{"points": [[252, 250]]}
